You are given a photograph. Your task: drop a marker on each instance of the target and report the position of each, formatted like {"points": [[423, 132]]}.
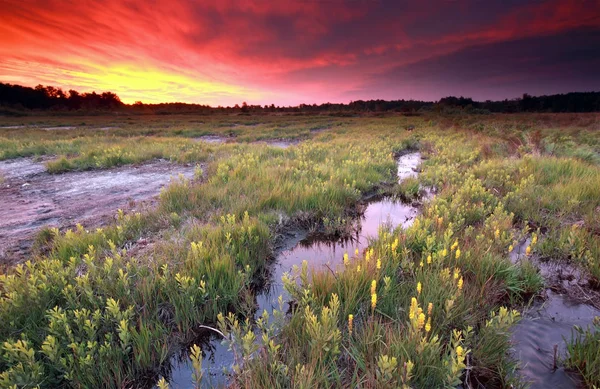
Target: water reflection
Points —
{"points": [[320, 254]]}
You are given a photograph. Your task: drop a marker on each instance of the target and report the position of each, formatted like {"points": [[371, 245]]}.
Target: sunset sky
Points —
{"points": [[287, 52]]}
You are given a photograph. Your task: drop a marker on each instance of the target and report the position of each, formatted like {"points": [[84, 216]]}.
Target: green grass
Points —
{"points": [[85, 313], [584, 354]]}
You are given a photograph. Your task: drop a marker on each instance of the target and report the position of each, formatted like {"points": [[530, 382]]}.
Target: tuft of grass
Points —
{"points": [[408, 190], [584, 354]]}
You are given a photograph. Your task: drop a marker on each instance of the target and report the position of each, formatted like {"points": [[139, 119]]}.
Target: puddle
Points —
{"points": [[323, 254], [58, 128], [547, 325], [319, 253], [318, 130], [30, 198], [212, 365], [407, 165], [211, 139], [280, 143], [543, 328], [217, 139]]}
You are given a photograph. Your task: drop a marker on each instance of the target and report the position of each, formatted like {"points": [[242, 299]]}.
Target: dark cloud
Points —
{"points": [[540, 65]]}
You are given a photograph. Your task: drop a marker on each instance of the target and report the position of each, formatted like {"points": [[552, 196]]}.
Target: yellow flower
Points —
{"points": [[454, 245], [528, 250], [395, 245], [429, 259], [429, 309], [456, 273], [350, 323], [457, 253], [419, 287], [356, 252], [421, 321], [414, 307], [497, 233], [510, 248], [444, 253], [460, 283], [378, 264], [440, 220], [346, 259], [534, 239], [368, 255], [421, 264], [358, 268], [373, 301], [428, 325], [459, 351], [373, 287]]}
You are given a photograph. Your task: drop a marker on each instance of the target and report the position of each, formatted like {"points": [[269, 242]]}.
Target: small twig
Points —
{"points": [[555, 363], [213, 329], [468, 372], [332, 272]]}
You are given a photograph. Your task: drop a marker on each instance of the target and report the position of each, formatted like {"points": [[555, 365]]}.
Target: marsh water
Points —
{"points": [[539, 339], [320, 254], [543, 328], [220, 139]]}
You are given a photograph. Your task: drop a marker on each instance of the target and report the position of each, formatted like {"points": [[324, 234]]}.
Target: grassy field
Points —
{"points": [[429, 306]]}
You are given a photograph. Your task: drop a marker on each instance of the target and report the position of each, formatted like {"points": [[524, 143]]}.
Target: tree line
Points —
{"points": [[49, 97], [17, 98]]}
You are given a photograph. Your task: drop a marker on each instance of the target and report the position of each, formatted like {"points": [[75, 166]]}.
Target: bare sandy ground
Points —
{"points": [[31, 198]]}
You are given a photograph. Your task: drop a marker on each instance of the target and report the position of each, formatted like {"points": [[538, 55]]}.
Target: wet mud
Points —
{"points": [[31, 198]]}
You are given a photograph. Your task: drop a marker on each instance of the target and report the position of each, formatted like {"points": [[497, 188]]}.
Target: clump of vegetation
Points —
{"points": [[409, 189], [584, 354]]}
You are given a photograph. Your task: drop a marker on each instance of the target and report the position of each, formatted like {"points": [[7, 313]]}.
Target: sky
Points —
{"points": [[288, 52]]}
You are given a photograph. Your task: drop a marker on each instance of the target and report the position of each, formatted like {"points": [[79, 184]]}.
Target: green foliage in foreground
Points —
{"points": [[98, 321], [429, 306], [584, 353]]}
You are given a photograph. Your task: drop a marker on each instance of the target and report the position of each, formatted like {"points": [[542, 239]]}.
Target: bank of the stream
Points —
{"points": [[322, 253]]}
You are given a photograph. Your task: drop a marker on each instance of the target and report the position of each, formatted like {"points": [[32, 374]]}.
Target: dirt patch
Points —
{"points": [[58, 128], [318, 130], [31, 198], [280, 143], [216, 139], [21, 168]]}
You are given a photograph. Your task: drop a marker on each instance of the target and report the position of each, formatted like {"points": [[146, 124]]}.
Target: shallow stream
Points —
{"points": [[319, 253], [539, 339]]}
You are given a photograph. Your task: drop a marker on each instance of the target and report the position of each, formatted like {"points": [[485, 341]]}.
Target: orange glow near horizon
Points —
{"points": [[292, 52], [140, 84]]}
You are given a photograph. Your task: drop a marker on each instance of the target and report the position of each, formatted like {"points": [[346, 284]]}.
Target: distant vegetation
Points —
{"points": [[48, 97], [20, 100]]}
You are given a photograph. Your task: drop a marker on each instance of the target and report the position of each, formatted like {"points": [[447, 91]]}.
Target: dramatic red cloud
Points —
{"points": [[283, 52]]}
